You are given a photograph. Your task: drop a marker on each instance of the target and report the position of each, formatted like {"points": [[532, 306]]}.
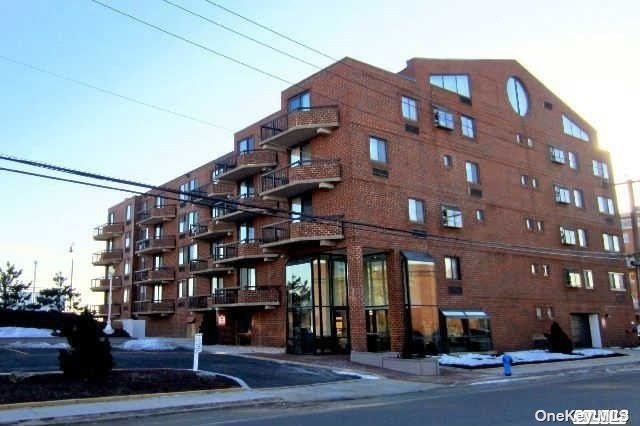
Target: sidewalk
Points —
{"points": [[375, 383]]}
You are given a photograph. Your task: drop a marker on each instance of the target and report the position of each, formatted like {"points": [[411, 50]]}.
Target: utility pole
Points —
{"points": [[71, 278], [33, 291]]}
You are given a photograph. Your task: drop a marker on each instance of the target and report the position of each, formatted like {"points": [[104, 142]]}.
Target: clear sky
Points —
{"points": [[587, 52]]}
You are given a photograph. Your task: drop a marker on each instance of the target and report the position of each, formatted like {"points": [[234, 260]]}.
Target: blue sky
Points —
{"points": [[584, 51]]}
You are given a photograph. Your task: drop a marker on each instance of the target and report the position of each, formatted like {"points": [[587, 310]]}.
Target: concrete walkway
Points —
{"points": [[369, 386]]}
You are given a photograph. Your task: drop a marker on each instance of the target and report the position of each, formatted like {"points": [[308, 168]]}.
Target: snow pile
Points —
{"points": [[19, 332], [477, 360], [150, 344], [359, 375], [38, 345]]}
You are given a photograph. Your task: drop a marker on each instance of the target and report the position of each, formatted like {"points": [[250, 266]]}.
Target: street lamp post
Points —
{"points": [[107, 328]]}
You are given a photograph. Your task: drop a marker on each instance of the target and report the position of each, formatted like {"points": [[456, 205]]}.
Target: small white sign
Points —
{"points": [[197, 345]]}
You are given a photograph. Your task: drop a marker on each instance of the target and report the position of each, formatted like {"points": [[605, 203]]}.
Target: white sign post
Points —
{"points": [[197, 348]]}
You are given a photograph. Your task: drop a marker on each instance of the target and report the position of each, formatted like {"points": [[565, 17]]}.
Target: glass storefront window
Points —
{"points": [[421, 305]]}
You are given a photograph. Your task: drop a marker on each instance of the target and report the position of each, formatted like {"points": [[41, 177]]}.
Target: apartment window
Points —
{"points": [[454, 83], [377, 149], [473, 172], [247, 278], [539, 225], [546, 270], [128, 212], [578, 199], [611, 242], [600, 169], [467, 124], [216, 283], [572, 129], [447, 161], [111, 218], [300, 101], [160, 201], [409, 108], [605, 205], [183, 253], [157, 293], [247, 189], [573, 278], [582, 237], [127, 268], [247, 233], [246, 145], [190, 287], [519, 138], [182, 287], [573, 159], [517, 95], [557, 155], [443, 118], [567, 236], [534, 269], [480, 215], [158, 261], [534, 183], [528, 223], [539, 312], [416, 210], [616, 281], [127, 240], [562, 194], [587, 274], [524, 180], [529, 142], [125, 295], [451, 217], [452, 267]]}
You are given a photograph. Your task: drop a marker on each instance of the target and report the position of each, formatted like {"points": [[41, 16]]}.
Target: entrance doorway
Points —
{"points": [[581, 331]]}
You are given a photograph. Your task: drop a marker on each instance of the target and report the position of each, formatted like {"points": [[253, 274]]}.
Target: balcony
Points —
{"points": [[298, 126], [156, 215], [300, 177], [157, 275], [208, 267], [101, 311], [261, 296], [156, 245], [241, 253], [108, 231], [290, 233], [102, 284], [245, 164], [242, 208], [211, 231], [154, 307], [107, 257], [214, 190]]}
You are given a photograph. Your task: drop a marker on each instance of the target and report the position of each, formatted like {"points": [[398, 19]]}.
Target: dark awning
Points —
{"points": [[417, 256], [459, 313]]}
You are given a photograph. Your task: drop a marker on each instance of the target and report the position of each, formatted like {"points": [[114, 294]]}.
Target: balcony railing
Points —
{"points": [[156, 215], [214, 189], [207, 267], [242, 208], [108, 231], [241, 252], [103, 310], [300, 177], [211, 230], [102, 284], [107, 257], [245, 164], [154, 307], [156, 244], [298, 126], [160, 274], [199, 303], [294, 232], [259, 296]]}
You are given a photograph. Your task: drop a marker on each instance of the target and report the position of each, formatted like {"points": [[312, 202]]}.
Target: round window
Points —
{"points": [[517, 95]]}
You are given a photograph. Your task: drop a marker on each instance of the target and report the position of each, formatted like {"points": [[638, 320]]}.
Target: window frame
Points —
{"points": [[416, 208], [468, 126], [472, 172], [451, 220], [452, 268], [411, 105], [378, 142]]}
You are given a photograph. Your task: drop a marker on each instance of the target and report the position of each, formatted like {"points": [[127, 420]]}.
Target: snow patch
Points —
{"points": [[19, 332], [150, 344], [360, 375], [38, 345], [477, 360]]}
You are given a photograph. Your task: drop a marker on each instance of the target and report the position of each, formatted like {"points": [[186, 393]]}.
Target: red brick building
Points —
{"points": [[454, 205]]}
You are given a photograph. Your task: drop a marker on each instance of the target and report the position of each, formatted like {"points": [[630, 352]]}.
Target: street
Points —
{"points": [[256, 373], [501, 403]]}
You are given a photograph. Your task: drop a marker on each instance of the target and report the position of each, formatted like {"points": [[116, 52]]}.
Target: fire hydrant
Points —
{"points": [[507, 361]]}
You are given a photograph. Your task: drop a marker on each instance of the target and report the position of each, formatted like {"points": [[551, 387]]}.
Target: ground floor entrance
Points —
{"points": [[585, 330]]}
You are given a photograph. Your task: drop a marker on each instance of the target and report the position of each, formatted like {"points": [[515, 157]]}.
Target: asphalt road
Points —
{"points": [[256, 373], [513, 404]]}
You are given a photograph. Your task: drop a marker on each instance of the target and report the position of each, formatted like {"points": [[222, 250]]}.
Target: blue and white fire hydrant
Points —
{"points": [[507, 361]]}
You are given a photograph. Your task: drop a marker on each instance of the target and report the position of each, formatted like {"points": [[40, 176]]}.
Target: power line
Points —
{"points": [[112, 93], [279, 213]]}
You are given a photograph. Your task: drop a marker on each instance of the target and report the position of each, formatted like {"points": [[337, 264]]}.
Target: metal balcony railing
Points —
{"points": [[108, 231], [156, 214], [154, 243], [300, 231], [163, 273], [314, 170], [307, 119], [165, 306], [107, 257], [103, 310], [102, 284]]}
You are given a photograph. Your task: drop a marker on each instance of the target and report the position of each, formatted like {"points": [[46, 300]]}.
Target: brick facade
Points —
{"points": [[511, 258]]}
